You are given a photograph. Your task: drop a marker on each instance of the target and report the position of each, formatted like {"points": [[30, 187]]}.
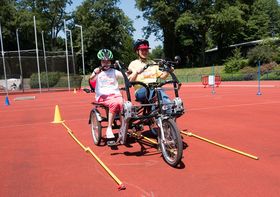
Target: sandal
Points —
{"points": [[111, 142]]}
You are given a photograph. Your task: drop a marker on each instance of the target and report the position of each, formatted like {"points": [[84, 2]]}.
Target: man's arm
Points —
{"points": [[133, 72]]}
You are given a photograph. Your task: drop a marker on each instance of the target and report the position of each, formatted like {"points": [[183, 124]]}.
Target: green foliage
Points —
{"points": [[248, 69], [157, 53], [106, 26], [235, 63], [266, 68], [192, 27], [186, 27], [161, 16], [264, 19], [238, 77], [75, 81], [276, 69], [7, 21], [271, 76], [227, 25], [49, 18], [262, 53], [53, 78]]}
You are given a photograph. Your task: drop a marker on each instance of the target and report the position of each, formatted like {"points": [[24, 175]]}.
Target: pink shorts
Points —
{"points": [[114, 102]]}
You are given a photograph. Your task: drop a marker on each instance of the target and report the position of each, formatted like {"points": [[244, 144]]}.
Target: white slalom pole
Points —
{"points": [[83, 56], [19, 59], [37, 54], [45, 58], [72, 52], [66, 54], [82, 45], [3, 58]]}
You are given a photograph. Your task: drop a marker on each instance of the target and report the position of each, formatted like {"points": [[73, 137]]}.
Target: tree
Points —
{"points": [[162, 15], [264, 19], [157, 53], [192, 27], [227, 25], [105, 26], [49, 16], [7, 13]]}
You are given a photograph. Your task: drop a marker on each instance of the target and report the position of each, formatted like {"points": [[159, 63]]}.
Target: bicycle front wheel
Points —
{"points": [[95, 128], [171, 145]]}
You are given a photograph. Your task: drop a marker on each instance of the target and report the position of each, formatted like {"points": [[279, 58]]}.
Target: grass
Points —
{"points": [[199, 71], [184, 74], [195, 74]]}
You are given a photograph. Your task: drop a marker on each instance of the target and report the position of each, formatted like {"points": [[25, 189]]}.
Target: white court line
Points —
{"points": [[28, 108], [248, 86], [239, 105], [236, 85], [38, 123]]}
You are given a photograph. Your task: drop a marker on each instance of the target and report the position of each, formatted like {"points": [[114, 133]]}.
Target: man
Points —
{"points": [[139, 73]]}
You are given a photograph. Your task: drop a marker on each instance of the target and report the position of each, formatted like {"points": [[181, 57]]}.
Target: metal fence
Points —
{"points": [[22, 70], [271, 75]]}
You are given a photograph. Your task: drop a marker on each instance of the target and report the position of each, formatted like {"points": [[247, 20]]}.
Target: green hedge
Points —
{"points": [[55, 79], [75, 81], [271, 76]]}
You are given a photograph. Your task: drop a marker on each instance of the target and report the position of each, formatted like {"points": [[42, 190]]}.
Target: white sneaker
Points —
{"points": [[109, 133]]}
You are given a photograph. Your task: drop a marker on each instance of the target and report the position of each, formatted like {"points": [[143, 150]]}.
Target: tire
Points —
{"points": [[172, 147], [95, 128]]}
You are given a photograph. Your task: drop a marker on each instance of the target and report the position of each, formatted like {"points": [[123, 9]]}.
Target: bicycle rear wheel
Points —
{"points": [[172, 145], [95, 128]]}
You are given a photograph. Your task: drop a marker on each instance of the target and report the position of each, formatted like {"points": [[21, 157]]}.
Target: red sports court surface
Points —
{"points": [[41, 159]]}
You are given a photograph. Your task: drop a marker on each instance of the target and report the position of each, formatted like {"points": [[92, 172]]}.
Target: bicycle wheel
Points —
{"points": [[95, 128], [172, 146]]}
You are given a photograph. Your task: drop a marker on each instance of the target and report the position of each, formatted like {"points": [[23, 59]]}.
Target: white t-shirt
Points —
{"points": [[107, 83]]}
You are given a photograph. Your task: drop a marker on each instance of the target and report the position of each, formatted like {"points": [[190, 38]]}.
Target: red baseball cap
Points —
{"points": [[143, 46]]}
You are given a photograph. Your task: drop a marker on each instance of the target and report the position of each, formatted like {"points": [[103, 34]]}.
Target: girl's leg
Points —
{"points": [[109, 132]]}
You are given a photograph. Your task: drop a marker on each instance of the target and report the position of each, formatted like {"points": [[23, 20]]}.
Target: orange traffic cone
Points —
{"points": [[57, 116]]}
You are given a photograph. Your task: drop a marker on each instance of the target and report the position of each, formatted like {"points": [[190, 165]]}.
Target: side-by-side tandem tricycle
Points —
{"points": [[155, 113]]}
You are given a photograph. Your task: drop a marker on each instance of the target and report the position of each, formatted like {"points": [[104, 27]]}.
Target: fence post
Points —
{"points": [[259, 79], [3, 58], [37, 54], [213, 74]]}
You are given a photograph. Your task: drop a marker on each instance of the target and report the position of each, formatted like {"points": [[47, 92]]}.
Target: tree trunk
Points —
{"points": [[169, 42]]}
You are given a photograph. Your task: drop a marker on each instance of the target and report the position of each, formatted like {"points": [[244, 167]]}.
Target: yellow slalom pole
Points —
{"points": [[72, 135], [68, 129], [87, 149], [220, 145], [121, 185], [146, 138]]}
